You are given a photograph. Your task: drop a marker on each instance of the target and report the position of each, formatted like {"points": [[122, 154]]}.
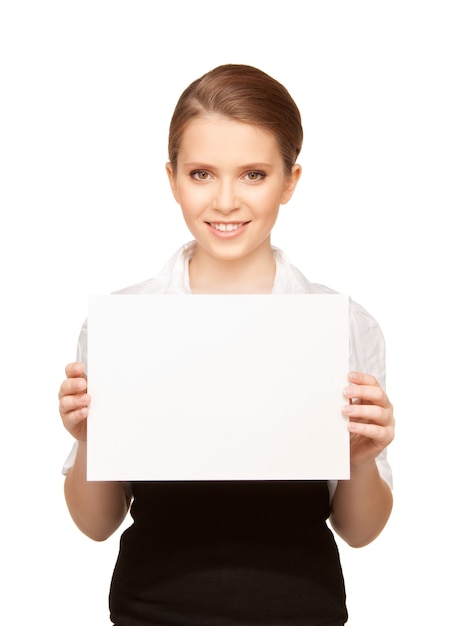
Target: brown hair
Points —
{"points": [[245, 94]]}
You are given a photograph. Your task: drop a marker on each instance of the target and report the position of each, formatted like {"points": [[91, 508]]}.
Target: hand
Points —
{"points": [[371, 418], [74, 401]]}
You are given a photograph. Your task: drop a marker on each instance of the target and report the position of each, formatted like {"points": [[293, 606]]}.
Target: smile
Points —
{"points": [[228, 227]]}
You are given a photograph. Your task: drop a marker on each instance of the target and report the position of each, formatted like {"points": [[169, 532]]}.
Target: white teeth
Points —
{"points": [[226, 227]]}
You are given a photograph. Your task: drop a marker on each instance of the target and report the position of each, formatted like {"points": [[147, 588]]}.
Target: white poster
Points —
{"points": [[217, 387]]}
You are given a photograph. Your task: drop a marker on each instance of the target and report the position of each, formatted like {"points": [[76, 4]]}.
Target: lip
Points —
{"points": [[238, 229]]}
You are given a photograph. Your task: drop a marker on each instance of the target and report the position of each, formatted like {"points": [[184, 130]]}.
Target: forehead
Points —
{"points": [[210, 137]]}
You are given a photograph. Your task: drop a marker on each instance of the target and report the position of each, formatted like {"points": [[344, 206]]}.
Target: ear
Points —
{"points": [[172, 178], [291, 183]]}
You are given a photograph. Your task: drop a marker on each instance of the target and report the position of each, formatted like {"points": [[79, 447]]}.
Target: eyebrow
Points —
{"points": [[246, 166]]}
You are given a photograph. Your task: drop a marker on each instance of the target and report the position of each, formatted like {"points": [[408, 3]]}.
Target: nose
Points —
{"points": [[226, 199]]}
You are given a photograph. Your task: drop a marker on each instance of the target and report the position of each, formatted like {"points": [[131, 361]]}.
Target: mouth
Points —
{"points": [[227, 227]]}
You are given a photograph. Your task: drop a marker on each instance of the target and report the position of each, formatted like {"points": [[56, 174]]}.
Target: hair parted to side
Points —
{"points": [[245, 94]]}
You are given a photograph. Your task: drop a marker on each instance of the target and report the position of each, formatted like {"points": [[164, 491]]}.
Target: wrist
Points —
{"points": [[365, 469]]}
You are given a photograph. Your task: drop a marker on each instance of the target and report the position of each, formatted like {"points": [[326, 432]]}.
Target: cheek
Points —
{"points": [[191, 201], [268, 201]]}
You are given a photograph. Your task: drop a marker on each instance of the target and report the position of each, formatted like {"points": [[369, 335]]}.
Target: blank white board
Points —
{"points": [[217, 387]]}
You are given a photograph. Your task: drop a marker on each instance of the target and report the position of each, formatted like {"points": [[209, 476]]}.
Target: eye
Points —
{"points": [[200, 175], [254, 176]]}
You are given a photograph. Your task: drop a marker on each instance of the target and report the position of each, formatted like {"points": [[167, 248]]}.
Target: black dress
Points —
{"points": [[232, 553]]}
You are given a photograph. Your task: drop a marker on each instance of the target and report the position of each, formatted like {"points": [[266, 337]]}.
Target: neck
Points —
{"points": [[254, 273]]}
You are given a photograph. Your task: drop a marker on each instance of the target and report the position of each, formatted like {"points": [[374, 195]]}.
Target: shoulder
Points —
{"points": [[290, 280], [364, 327], [173, 278], [361, 320]]}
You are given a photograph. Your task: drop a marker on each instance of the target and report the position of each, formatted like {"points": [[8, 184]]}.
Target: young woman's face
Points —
{"points": [[230, 183]]}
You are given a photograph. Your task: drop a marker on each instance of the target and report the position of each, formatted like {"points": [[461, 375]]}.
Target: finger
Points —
{"points": [[370, 431], [71, 403], [367, 393], [365, 387], [76, 424], [379, 435], [73, 410], [75, 370], [359, 378], [367, 412], [72, 386], [75, 418]]}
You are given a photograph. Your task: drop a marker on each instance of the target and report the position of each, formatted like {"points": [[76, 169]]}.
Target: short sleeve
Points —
{"points": [[68, 464], [81, 351], [367, 346]]}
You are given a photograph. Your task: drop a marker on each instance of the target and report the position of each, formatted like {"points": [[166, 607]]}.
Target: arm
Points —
{"points": [[97, 508], [362, 505]]}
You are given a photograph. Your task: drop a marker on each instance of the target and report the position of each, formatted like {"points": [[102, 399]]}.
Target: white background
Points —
{"points": [[87, 91]]}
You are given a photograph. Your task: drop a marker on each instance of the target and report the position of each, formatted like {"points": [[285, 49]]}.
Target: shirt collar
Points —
{"points": [[285, 280]]}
